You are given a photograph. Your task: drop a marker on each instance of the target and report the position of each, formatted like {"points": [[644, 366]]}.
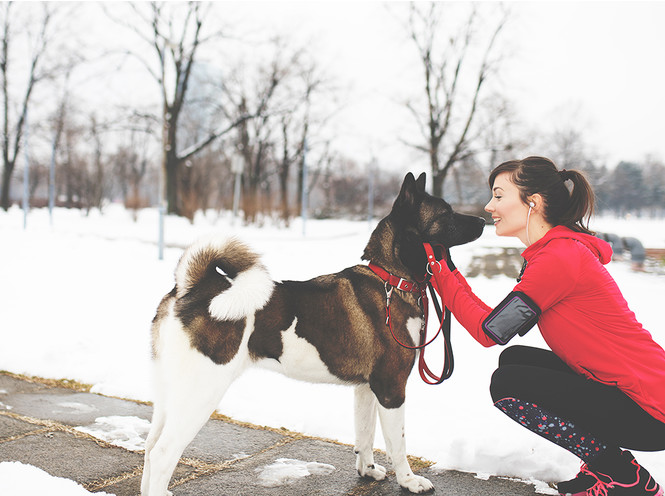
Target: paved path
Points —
{"points": [[37, 427]]}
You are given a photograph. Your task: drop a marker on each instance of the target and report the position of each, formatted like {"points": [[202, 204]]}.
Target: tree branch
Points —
{"points": [[197, 147], [32, 79]]}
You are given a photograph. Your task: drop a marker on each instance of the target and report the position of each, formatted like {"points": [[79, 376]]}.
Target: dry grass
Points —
{"points": [[61, 383]]}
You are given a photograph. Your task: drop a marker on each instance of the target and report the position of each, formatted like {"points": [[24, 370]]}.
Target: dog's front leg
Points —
{"points": [[392, 425], [365, 422]]}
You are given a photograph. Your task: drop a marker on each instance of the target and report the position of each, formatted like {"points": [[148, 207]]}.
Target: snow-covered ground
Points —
{"points": [[78, 297], [19, 479]]}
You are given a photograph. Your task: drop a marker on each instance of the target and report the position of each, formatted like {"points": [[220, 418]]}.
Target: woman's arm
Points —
{"points": [[465, 285], [467, 308]]}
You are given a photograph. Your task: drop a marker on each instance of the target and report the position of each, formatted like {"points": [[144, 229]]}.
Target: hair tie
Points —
{"points": [[564, 174]]}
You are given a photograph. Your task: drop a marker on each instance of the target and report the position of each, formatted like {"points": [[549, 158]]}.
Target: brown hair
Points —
{"points": [[563, 207]]}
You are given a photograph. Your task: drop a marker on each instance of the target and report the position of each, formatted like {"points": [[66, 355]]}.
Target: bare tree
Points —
{"points": [[452, 96], [97, 180], [131, 159], [71, 179], [12, 135], [262, 96], [298, 131], [175, 38]]}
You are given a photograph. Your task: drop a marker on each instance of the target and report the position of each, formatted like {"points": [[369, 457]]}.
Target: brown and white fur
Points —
{"points": [[226, 314]]}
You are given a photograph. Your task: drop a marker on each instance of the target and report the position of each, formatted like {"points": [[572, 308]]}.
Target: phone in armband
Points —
{"points": [[516, 314]]}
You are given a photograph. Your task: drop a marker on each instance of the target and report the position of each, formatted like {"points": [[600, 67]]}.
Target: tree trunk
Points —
{"points": [[171, 176], [170, 161], [284, 175], [438, 179], [438, 176], [7, 171]]}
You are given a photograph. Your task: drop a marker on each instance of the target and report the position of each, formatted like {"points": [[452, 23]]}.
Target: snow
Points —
{"points": [[127, 432], [19, 479], [287, 470], [78, 298]]}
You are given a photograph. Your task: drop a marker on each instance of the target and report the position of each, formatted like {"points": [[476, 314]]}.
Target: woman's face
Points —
{"points": [[508, 211]]}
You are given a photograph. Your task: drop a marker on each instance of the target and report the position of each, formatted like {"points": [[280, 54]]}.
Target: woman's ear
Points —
{"points": [[535, 201]]}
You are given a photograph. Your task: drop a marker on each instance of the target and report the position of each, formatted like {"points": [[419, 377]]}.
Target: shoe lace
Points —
{"points": [[601, 487]]}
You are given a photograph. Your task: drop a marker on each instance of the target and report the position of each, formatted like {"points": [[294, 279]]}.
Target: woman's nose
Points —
{"points": [[488, 207]]}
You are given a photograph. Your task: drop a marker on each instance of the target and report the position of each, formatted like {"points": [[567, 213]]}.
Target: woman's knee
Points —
{"points": [[522, 381], [504, 383]]}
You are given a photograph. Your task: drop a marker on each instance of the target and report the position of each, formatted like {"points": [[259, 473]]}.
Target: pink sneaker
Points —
{"points": [[632, 479], [579, 485]]}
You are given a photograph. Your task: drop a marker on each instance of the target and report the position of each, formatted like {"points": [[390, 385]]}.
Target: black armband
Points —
{"points": [[514, 315]]}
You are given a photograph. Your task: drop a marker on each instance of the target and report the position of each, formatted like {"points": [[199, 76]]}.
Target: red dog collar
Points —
{"points": [[396, 282]]}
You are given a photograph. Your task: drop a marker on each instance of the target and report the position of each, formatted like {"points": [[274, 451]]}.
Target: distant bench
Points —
{"points": [[655, 252]]}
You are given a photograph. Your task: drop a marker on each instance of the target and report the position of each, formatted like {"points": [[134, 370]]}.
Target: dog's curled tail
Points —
{"points": [[226, 272]]}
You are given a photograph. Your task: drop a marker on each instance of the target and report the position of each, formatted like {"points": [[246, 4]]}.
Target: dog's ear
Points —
{"points": [[407, 195], [420, 183]]}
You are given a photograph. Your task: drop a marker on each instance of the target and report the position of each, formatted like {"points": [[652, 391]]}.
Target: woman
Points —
{"points": [[602, 387]]}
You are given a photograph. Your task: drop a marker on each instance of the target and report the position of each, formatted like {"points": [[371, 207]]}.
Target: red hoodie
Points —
{"points": [[585, 319]]}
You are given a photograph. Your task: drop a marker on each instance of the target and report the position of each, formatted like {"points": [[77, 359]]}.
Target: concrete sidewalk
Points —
{"points": [[37, 427]]}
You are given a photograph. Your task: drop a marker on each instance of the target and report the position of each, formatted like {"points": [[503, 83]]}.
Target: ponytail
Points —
{"points": [[572, 207], [581, 203]]}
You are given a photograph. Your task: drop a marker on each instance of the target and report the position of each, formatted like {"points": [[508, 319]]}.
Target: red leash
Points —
{"points": [[434, 269], [393, 282]]}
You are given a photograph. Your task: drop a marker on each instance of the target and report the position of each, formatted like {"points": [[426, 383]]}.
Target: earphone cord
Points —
{"points": [[528, 215]]}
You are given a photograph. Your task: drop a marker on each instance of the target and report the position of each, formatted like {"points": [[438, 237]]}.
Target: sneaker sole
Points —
{"points": [[584, 493]]}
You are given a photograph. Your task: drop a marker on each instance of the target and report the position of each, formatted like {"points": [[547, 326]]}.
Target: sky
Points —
{"points": [[608, 58], [597, 66]]}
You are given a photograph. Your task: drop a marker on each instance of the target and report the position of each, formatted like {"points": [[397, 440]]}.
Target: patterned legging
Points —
{"points": [[535, 388]]}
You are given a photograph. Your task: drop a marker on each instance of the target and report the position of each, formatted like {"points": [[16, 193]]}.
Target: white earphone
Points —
{"points": [[528, 215]]}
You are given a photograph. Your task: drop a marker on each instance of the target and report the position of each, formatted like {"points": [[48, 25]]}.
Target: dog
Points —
{"points": [[226, 314]]}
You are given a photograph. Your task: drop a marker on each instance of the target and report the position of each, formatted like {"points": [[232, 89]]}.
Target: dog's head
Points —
{"points": [[418, 217]]}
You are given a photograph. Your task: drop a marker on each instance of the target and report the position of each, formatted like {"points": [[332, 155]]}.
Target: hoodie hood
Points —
{"points": [[601, 249]]}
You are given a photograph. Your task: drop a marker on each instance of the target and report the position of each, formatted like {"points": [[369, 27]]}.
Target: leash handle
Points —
{"points": [[426, 374]]}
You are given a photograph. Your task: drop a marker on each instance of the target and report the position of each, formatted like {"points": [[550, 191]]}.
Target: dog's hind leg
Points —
{"points": [[190, 386], [392, 425], [365, 422], [156, 426]]}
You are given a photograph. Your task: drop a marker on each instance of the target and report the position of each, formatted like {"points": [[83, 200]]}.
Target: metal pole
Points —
{"points": [[305, 191], [236, 196], [26, 174], [237, 165], [162, 210], [51, 180]]}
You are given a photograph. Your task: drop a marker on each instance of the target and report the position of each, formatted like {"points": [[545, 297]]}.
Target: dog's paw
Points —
{"points": [[373, 471], [416, 484]]}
